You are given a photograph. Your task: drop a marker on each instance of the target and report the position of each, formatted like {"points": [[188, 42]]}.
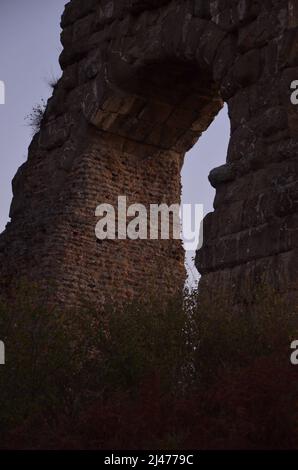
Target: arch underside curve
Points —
{"points": [[141, 82]]}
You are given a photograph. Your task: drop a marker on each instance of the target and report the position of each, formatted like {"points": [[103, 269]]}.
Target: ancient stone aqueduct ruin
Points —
{"points": [[142, 79]]}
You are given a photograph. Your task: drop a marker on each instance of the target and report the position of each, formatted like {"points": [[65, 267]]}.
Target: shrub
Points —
{"points": [[35, 118], [186, 372], [37, 357]]}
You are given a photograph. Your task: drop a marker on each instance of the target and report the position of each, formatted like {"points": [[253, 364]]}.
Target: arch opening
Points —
{"points": [[166, 105], [159, 113], [142, 79], [208, 153]]}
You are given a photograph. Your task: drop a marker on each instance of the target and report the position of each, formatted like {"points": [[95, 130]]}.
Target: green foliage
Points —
{"points": [[63, 359], [37, 356], [142, 340], [183, 366], [261, 324]]}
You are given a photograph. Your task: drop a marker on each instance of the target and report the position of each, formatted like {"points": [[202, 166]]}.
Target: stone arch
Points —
{"points": [[141, 81]]}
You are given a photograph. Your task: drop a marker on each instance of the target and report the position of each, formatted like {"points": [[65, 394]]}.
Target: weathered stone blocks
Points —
{"points": [[142, 79]]}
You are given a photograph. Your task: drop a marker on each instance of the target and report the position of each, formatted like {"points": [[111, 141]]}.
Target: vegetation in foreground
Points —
{"points": [[187, 372]]}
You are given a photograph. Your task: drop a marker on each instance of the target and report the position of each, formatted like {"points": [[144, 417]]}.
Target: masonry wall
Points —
{"points": [[141, 81]]}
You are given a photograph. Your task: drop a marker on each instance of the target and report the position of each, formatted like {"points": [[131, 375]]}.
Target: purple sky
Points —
{"points": [[29, 51]]}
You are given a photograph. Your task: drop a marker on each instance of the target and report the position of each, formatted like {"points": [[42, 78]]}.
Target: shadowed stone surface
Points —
{"points": [[142, 79]]}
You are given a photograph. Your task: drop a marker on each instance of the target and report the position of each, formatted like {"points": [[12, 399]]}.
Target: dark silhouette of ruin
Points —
{"points": [[142, 79]]}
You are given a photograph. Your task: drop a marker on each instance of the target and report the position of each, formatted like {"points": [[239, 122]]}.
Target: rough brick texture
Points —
{"points": [[142, 79]]}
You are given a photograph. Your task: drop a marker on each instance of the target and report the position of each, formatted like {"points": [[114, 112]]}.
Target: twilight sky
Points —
{"points": [[29, 51]]}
